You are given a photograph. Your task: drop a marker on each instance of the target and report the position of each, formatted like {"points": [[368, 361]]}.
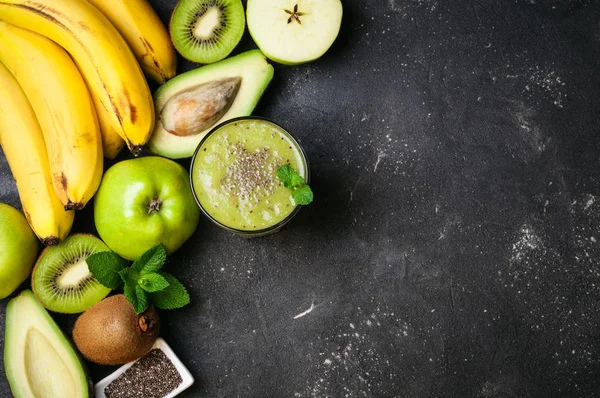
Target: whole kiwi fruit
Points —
{"points": [[111, 333]]}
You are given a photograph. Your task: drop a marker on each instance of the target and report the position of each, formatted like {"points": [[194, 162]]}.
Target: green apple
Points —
{"points": [[142, 202], [293, 32], [18, 249]]}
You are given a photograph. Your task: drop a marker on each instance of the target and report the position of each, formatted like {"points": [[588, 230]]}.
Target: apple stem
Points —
{"points": [[154, 206]]}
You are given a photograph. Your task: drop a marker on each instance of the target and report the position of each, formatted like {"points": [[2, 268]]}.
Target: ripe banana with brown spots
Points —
{"points": [[112, 143], [102, 55], [62, 104], [146, 35], [23, 145]]}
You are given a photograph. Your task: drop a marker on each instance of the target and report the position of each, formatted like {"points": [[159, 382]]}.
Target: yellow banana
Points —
{"points": [[145, 33], [23, 145], [102, 56], [112, 143], [64, 109]]}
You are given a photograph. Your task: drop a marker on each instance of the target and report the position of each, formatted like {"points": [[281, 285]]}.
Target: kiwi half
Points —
{"points": [[206, 31], [61, 279]]}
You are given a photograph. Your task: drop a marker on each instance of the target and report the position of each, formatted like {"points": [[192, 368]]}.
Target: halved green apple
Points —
{"points": [[38, 359], [294, 31], [189, 105]]}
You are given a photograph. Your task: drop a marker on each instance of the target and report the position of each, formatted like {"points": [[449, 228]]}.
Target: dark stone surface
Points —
{"points": [[452, 248]]}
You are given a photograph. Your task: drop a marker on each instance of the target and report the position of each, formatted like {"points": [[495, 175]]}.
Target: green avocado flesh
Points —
{"points": [[234, 174], [189, 105], [38, 359]]}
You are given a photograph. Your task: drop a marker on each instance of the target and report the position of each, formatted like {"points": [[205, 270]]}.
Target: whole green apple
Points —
{"points": [[18, 249], [142, 202]]}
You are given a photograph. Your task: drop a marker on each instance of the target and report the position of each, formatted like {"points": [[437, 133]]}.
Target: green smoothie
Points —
{"points": [[234, 174]]}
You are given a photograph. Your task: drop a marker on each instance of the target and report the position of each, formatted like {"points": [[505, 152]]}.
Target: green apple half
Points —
{"points": [[293, 32], [142, 202], [18, 249]]}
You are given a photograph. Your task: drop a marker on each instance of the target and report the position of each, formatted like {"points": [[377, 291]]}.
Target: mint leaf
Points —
{"points": [[142, 300], [285, 174], [174, 296], [302, 195], [153, 282], [297, 180], [134, 293], [129, 292], [136, 297], [151, 261], [129, 276], [105, 267]]}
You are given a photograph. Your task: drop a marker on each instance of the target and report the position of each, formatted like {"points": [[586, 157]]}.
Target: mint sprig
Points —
{"points": [[105, 266], [143, 282], [301, 192]]}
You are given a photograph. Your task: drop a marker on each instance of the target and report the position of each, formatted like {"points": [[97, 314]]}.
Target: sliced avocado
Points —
{"points": [[38, 359], [189, 105]]}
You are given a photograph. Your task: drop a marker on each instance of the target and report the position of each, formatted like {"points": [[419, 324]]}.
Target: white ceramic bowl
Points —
{"points": [[186, 376]]}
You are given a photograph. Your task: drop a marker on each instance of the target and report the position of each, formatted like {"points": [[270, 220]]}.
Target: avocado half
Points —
{"points": [[250, 69], [38, 359]]}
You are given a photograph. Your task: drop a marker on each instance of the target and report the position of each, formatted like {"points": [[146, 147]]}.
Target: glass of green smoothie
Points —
{"points": [[234, 175]]}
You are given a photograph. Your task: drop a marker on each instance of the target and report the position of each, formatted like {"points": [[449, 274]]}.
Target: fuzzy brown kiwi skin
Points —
{"points": [[111, 333], [38, 260]]}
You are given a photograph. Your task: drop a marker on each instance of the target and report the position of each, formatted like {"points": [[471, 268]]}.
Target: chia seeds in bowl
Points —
{"points": [[152, 376], [158, 374]]}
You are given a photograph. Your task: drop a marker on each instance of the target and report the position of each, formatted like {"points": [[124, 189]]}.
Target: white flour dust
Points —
{"points": [[554, 276], [405, 6], [527, 242], [390, 153], [525, 119], [346, 370], [549, 83], [586, 234]]}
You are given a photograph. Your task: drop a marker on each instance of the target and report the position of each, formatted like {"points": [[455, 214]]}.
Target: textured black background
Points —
{"points": [[452, 248]]}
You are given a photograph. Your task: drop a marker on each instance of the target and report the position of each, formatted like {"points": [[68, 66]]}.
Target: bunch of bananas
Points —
{"points": [[72, 91]]}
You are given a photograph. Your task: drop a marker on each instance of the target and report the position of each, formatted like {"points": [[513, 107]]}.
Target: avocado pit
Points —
{"points": [[197, 108]]}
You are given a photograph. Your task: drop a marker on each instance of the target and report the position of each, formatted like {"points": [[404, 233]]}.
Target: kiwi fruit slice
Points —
{"points": [[61, 279], [206, 31]]}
